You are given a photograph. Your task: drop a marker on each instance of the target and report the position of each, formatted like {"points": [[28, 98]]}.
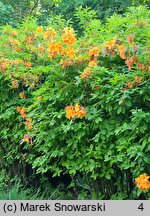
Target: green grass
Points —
{"points": [[17, 192]]}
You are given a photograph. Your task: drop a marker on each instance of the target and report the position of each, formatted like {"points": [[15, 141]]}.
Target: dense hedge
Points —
{"points": [[78, 106]]}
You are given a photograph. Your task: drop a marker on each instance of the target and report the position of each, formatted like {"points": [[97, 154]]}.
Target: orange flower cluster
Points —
{"points": [[27, 64], [4, 63], [54, 49], [87, 71], [39, 29], [14, 33], [69, 52], [14, 83], [14, 42], [141, 66], [28, 139], [110, 47], [133, 84], [75, 111], [22, 111], [129, 62], [93, 53], [111, 44], [22, 96], [30, 40], [143, 182], [138, 80], [49, 33], [28, 123], [130, 39], [4, 31], [92, 64], [113, 47], [32, 85], [41, 48], [69, 36], [122, 51], [39, 98], [70, 62], [18, 49], [141, 24], [16, 61]]}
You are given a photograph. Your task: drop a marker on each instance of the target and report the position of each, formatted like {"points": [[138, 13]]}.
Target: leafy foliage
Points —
{"points": [[105, 74]]}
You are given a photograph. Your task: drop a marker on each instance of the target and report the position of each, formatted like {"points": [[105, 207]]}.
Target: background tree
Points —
{"points": [[13, 12], [6, 14]]}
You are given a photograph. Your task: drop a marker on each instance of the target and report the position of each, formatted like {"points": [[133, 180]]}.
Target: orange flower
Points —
{"points": [[145, 23], [70, 112], [77, 107], [4, 31], [41, 48], [107, 52], [92, 64], [14, 33], [69, 62], [32, 85], [143, 182], [29, 126], [39, 29], [82, 112], [30, 40], [21, 95], [122, 51], [93, 53], [49, 33], [86, 73], [69, 52], [129, 62], [19, 109], [14, 83], [14, 42], [23, 115], [39, 98], [26, 138], [141, 66], [54, 49], [29, 120], [22, 111], [69, 36], [137, 24], [27, 64], [110, 45], [135, 59], [18, 49], [130, 39], [6, 63], [138, 79], [129, 85]]}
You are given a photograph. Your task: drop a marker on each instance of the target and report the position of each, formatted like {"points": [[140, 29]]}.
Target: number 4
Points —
{"points": [[141, 207]]}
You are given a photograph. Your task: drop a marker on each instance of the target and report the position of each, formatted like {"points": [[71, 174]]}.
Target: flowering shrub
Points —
{"points": [[103, 138]]}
